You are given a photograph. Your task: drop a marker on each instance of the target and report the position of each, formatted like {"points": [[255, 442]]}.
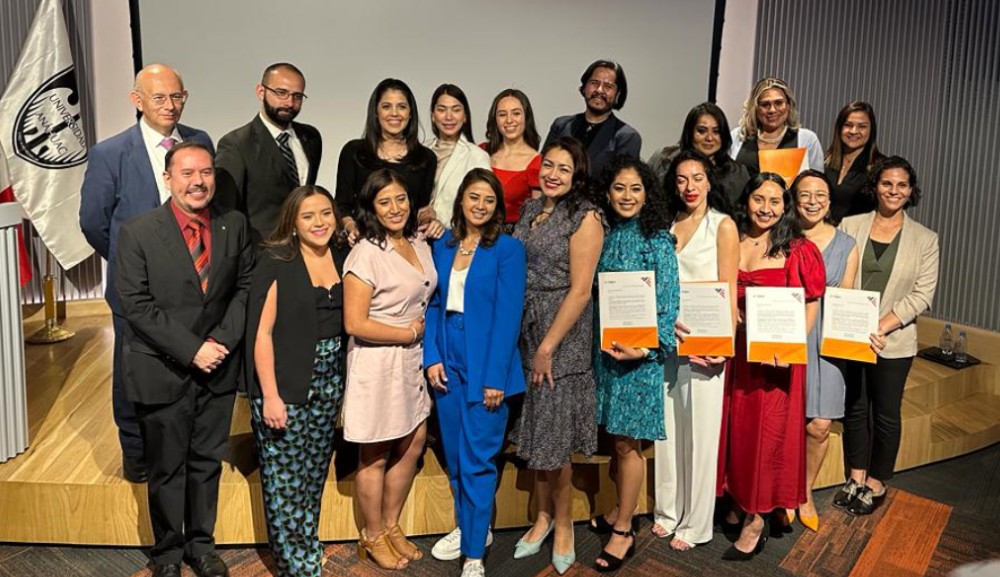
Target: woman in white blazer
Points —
{"points": [[453, 145], [899, 259]]}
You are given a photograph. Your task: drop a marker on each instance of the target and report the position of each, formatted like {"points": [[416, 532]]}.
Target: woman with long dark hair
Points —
{"points": [[852, 153], [512, 142]]}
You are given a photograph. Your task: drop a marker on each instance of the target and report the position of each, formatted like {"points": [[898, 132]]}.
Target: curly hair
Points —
{"points": [[655, 215], [888, 163], [784, 231]]}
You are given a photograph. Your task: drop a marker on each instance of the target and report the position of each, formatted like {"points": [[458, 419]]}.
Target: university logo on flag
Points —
{"points": [[47, 131]]}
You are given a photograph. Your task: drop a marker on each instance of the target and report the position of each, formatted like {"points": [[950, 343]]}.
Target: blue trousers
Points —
{"points": [[471, 437], [294, 463]]}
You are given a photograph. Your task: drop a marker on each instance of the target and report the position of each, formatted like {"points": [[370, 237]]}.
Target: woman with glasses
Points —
{"points": [[512, 142], [770, 121], [824, 376]]}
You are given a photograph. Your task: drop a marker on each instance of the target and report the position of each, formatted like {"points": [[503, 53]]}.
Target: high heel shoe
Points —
{"points": [[734, 554], [402, 545], [563, 561], [731, 530], [380, 551], [601, 526], [809, 521], [615, 563], [525, 548]]}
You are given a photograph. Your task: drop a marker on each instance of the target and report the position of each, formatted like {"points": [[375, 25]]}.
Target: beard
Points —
{"points": [[282, 116], [599, 106]]}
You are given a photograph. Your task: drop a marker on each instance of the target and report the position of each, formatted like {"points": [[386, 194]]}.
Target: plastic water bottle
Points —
{"points": [[961, 349], [946, 343]]}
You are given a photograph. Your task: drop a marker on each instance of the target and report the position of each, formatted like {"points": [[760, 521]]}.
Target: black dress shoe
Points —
{"points": [[866, 501], [134, 469], [846, 494], [209, 565], [168, 570], [734, 554]]}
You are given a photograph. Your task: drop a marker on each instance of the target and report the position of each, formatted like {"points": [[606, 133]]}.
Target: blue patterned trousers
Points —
{"points": [[294, 464]]}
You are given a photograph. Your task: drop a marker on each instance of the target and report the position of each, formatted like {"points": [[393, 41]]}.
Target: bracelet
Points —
{"points": [[414, 339]]}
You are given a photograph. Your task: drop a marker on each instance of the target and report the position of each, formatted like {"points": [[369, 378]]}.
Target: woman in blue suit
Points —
{"points": [[471, 355]]}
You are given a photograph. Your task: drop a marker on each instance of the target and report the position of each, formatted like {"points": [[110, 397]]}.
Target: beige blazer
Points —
{"points": [[912, 281], [464, 158]]}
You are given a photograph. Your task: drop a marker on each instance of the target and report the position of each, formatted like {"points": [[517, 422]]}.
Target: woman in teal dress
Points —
{"points": [[630, 380]]}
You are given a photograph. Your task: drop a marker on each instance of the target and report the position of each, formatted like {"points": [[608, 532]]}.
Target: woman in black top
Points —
{"points": [[295, 364], [390, 140], [851, 154]]}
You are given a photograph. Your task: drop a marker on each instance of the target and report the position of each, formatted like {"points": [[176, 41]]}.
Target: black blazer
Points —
{"points": [[295, 328], [254, 178], [169, 318]]}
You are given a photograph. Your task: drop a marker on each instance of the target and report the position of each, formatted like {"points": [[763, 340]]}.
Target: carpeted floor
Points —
{"points": [[935, 519]]}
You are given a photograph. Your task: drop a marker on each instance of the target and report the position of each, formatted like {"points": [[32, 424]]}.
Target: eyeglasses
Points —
{"points": [[594, 84], [779, 104], [819, 197], [158, 100], [283, 94]]}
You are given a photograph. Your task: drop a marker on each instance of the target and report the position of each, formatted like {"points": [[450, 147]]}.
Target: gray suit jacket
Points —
{"points": [[912, 282]]}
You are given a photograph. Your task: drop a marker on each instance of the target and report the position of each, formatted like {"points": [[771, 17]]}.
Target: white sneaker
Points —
{"points": [[449, 547], [474, 568]]}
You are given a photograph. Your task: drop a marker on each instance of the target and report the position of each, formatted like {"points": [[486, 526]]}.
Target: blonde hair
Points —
{"points": [[748, 122]]}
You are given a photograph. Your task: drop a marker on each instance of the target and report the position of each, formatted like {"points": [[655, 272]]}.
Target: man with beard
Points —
{"points": [[261, 162], [123, 181], [604, 88]]}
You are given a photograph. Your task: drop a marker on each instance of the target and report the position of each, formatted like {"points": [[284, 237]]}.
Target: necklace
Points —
{"points": [[774, 139], [467, 252]]}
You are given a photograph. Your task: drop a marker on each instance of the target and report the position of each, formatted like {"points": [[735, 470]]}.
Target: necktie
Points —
{"points": [[168, 143], [286, 151], [196, 246]]}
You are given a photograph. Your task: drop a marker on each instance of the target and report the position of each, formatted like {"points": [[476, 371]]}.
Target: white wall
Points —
{"points": [[739, 35], [111, 68]]}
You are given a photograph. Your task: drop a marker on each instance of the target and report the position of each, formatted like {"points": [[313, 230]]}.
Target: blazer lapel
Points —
{"points": [[170, 234], [268, 153], [220, 234], [447, 263], [459, 158], [311, 150]]}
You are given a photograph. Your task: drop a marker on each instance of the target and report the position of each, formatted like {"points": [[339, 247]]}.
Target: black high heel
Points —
{"points": [[615, 563], [734, 554], [600, 526], [731, 530]]}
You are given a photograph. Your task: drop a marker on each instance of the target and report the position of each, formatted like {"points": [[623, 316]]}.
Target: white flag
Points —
{"points": [[42, 134]]}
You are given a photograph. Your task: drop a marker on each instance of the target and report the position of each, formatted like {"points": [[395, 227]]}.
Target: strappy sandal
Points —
{"points": [[615, 563]]}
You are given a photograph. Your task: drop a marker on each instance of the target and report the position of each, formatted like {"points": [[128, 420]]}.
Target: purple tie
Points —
{"points": [[168, 143]]}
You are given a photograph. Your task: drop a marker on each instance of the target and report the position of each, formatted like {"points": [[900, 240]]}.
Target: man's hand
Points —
{"points": [[210, 356]]}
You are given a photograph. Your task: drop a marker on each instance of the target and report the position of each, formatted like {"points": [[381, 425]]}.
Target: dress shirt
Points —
{"points": [[301, 162], [184, 218], [157, 154]]}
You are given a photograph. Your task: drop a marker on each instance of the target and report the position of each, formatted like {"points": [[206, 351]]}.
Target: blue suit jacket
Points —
{"points": [[118, 186], [494, 301]]}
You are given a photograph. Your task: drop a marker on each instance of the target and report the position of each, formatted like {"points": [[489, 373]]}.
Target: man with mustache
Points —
{"points": [[123, 181], [604, 135], [183, 275], [262, 161]]}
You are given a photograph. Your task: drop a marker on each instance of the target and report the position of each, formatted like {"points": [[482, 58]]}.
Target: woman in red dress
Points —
{"points": [[762, 447]]}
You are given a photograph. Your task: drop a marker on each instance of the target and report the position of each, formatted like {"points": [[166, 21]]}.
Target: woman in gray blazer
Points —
{"points": [[899, 259]]}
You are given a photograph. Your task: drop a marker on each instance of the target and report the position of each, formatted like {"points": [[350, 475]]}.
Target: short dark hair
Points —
{"points": [[368, 224], [281, 66], [580, 189], [492, 229], [717, 197], [656, 215], [620, 80], [794, 189], [283, 241], [721, 157], [456, 93], [785, 230], [372, 136], [888, 163], [186, 145], [493, 137]]}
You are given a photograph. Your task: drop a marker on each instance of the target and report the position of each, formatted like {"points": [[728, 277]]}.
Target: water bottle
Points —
{"points": [[946, 341], [961, 349]]}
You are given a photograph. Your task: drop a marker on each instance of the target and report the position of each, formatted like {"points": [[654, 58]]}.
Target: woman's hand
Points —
{"points": [[432, 228], [425, 214], [776, 363], [492, 398], [351, 230], [622, 353], [541, 368], [703, 361], [417, 326], [681, 330], [878, 342], [275, 413], [435, 374]]}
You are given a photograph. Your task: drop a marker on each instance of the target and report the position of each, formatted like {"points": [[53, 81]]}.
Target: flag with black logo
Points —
{"points": [[42, 135]]}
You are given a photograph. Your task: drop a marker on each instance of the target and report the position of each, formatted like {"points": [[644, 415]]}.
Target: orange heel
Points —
{"points": [[380, 551], [403, 545]]}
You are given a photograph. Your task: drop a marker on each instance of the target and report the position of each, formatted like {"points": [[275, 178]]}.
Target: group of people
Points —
{"points": [[459, 276]]}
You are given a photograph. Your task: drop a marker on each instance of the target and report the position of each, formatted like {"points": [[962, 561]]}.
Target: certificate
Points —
{"points": [[776, 325], [706, 309], [788, 162], [627, 302], [849, 318]]}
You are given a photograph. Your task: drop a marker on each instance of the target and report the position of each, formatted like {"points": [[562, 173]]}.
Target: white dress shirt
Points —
{"points": [[301, 162], [157, 154]]}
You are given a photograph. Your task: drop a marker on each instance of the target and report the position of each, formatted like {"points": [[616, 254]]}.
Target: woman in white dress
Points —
{"points": [[687, 461]]}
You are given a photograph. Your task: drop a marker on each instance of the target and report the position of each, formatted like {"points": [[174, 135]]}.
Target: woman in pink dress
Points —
{"points": [[762, 446]]}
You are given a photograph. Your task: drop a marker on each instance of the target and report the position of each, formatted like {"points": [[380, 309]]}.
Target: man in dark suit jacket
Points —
{"points": [[123, 180], [604, 135], [183, 275], [261, 162]]}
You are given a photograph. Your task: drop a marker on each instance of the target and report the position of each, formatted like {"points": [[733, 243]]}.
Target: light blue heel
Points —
{"points": [[562, 562], [527, 549]]}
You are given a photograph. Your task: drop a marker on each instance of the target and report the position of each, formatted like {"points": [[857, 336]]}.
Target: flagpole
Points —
{"points": [[52, 332]]}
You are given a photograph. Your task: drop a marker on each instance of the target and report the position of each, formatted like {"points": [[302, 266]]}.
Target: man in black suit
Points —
{"points": [[183, 275], [261, 162]]}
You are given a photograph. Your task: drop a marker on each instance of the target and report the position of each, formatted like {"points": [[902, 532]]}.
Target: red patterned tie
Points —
{"points": [[196, 246]]}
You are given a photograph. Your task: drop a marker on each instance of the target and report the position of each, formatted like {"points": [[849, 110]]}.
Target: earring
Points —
{"points": [[295, 233]]}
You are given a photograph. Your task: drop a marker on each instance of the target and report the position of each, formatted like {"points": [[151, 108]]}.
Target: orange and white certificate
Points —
{"points": [[788, 162], [776, 325], [849, 318], [706, 309], [627, 302]]}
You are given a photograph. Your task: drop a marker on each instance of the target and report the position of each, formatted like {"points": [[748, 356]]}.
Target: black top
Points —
{"points": [[585, 131], [849, 197], [299, 323], [355, 165], [732, 179], [747, 156]]}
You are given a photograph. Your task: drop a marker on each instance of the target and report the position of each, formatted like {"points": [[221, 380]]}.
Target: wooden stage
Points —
{"points": [[67, 488]]}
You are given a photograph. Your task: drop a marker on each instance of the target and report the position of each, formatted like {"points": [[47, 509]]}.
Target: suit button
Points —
{"points": [[427, 283], [423, 304], [421, 388], [420, 368]]}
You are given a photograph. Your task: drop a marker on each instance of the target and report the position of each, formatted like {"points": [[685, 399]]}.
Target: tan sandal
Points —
{"points": [[380, 551], [403, 545]]}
